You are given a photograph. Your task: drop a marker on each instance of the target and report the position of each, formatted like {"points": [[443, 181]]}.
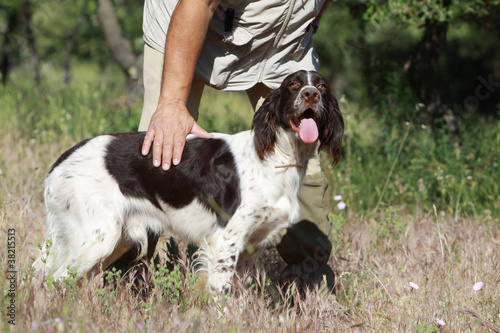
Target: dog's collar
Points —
{"points": [[288, 157]]}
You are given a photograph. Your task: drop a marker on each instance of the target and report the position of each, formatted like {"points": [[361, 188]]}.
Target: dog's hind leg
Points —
{"points": [[83, 244]]}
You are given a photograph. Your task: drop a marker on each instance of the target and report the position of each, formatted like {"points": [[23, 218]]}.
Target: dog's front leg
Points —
{"points": [[223, 251]]}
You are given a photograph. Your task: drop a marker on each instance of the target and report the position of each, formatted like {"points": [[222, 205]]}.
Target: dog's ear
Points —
{"points": [[332, 129], [265, 124]]}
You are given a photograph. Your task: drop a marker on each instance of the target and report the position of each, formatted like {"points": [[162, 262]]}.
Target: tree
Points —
{"points": [[11, 11], [119, 46], [19, 31], [422, 65]]}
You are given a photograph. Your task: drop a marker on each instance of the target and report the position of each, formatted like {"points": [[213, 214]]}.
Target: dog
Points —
{"points": [[107, 205]]}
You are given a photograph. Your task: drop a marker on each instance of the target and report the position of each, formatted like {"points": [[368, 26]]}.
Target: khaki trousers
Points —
{"points": [[307, 241]]}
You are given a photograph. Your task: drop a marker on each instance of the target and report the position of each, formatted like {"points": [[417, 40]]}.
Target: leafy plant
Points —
{"points": [[108, 293]]}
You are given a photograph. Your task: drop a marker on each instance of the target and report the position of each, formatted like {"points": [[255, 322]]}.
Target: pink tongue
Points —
{"points": [[308, 131]]}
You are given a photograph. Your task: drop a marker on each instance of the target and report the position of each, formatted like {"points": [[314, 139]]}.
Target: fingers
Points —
{"points": [[179, 142], [166, 137], [168, 146], [146, 144]]}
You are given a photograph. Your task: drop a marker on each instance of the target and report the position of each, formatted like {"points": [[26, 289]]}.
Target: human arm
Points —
{"points": [[171, 122], [316, 20]]}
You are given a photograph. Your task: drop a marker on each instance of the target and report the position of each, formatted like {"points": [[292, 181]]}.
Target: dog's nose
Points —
{"points": [[310, 95]]}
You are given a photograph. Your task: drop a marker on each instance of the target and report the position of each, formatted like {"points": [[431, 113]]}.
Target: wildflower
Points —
{"points": [[337, 198], [140, 326], [414, 285], [440, 322], [341, 205], [57, 320], [478, 286]]}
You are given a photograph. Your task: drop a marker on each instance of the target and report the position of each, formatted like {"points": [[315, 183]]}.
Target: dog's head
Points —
{"points": [[305, 105]]}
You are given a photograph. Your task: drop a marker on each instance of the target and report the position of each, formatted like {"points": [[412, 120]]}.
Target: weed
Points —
{"points": [[425, 328], [392, 227], [108, 293], [173, 286], [71, 283]]}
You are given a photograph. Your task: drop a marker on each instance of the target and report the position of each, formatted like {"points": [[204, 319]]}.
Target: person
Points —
{"points": [[234, 45]]}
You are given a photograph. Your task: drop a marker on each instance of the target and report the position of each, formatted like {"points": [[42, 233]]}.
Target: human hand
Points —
{"points": [[167, 132]]}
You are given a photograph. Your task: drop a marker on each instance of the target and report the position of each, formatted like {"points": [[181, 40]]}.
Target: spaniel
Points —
{"points": [[107, 205]]}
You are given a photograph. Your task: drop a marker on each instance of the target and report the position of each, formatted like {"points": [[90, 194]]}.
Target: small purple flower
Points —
{"points": [[141, 326], [478, 286], [57, 320], [414, 285], [337, 198], [341, 205], [440, 322]]}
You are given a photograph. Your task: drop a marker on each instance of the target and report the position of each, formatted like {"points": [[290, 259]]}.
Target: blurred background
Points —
{"points": [[418, 82]]}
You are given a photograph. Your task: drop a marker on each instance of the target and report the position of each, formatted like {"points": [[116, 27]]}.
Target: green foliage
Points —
{"points": [[391, 227], [349, 283], [71, 283], [174, 286], [108, 293], [48, 246], [425, 328], [225, 112], [419, 11], [429, 170], [337, 222], [87, 108]]}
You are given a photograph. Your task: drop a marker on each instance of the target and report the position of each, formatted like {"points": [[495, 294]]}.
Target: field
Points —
{"points": [[419, 232]]}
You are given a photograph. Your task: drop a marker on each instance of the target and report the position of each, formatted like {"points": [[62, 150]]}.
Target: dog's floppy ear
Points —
{"points": [[332, 129], [265, 124]]}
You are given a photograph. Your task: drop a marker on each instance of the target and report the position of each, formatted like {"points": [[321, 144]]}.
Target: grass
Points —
{"points": [[436, 225]]}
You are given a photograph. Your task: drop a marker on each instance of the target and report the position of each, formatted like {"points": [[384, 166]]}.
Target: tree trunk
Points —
{"points": [[119, 46], [423, 73], [69, 45], [26, 13], [7, 45]]}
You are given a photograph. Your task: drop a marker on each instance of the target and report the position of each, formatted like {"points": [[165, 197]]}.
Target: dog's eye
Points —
{"points": [[321, 86], [294, 84]]}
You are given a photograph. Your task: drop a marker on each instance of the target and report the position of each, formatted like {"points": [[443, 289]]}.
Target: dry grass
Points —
{"points": [[375, 259]]}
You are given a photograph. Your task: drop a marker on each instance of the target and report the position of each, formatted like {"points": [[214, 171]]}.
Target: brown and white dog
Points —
{"points": [[107, 205]]}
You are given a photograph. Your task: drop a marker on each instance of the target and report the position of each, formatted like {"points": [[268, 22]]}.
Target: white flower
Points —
{"points": [[414, 285], [478, 286], [440, 322], [337, 197], [341, 205]]}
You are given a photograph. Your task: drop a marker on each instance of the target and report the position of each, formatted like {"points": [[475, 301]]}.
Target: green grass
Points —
{"points": [[403, 165]]}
